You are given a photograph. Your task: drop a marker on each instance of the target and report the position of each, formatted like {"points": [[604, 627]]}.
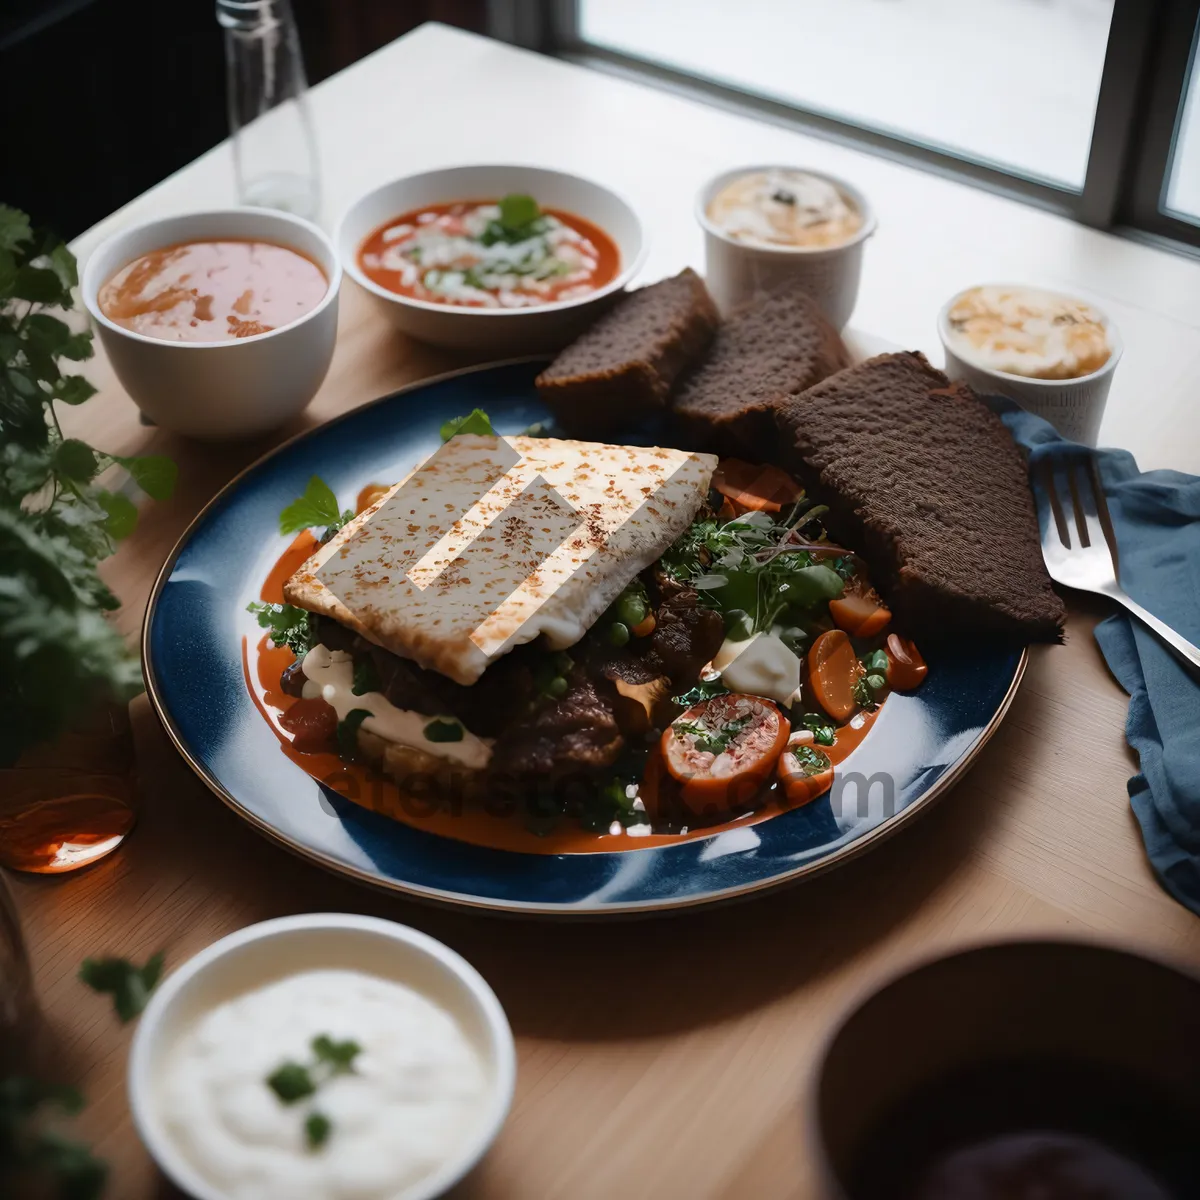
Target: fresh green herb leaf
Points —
{"points": [[347, 732], [443, 731], [810, 760], [864, 694], [317, 1128], [339, 1056], [14, 228], [366, 677], [153, 473], [291, 1082], [130, 986], [516, 211], [73, 389], [38, 285], [290, 626], [476, 421], [76, 460], [122, 514], [317, 507]]}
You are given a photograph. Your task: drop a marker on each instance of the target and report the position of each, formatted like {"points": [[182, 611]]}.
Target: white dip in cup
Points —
{"points": [[738, 268], [1074, 404]]}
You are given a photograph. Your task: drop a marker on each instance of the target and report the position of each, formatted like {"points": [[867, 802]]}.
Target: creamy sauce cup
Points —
{"points": [[222, 389], [735, 270], [262, 954], [1075, 407], [500, 331]]}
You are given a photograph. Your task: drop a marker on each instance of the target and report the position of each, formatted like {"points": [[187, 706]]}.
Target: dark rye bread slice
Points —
{"points": [[771, 347], [629, 360], [925, 480]]}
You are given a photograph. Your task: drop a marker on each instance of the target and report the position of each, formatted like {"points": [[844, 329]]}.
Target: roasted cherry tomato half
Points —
{"points": [[805, 771], [312, 724], [860, 615], [906, 668], [833, 670], [722, 751]]}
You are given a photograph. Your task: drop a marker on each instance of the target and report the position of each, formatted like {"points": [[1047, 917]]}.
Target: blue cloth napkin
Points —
{"points": [[1156, 519]]}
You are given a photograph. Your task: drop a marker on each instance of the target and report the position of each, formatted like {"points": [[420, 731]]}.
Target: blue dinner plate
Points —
{"points": [[192, 653]]}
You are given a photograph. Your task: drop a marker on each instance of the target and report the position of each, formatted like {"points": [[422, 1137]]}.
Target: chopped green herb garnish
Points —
{"points": [[366, 677], [810, 760], [129, 985], [288, 624], [823, 732], [864, 694], [714, 741], [347, 732], [520, 218], [291, 1082], [443, 731], [704, 690], [316, 508], [317, 1128], [476, 421]]}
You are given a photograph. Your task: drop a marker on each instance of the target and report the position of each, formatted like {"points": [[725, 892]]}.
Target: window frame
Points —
{"points": [[1150, 53]]}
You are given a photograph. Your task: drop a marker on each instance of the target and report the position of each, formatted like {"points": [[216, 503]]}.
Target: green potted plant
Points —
{"points": [[66, 674]]}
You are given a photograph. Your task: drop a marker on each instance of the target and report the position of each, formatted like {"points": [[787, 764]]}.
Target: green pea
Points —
{"points": [[631, 609], [618, 633], [557, 687], [876, 662], [876, 682], [738, 625]]}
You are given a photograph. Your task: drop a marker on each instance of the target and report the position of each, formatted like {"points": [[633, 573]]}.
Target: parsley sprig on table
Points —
{"points": [[58, 655], [30, 1150], [292, 1081], [128, 984]]}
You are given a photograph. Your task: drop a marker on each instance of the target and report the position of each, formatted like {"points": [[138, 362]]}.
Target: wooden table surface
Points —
{"points": [[662, 1057]]}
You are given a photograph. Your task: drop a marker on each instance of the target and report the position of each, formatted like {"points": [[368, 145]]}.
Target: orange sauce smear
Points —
{"points": [[213, 291], [452, 818], [600, 250]]}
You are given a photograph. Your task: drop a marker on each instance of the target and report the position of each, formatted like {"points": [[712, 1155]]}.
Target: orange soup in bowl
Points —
{"points": [[507, 253], [213, 291]]}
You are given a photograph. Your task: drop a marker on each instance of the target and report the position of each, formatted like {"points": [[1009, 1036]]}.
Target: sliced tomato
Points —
{"points": [[833, 670], [906, 668], [721, 752], [805, 771], [752, 488], [312, 724], [860, 614]]}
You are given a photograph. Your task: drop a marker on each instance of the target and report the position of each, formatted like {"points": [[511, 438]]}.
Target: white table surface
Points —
{"points": [[440, 97]]}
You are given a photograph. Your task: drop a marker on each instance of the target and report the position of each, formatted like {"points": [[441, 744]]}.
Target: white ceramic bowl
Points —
{"points": [[500, 331], [736, 271], [1075, 407], [229, 389], [312, 941]]}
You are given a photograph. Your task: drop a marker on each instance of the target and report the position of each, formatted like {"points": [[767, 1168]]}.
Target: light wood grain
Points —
{"points": [[664, 1057]]}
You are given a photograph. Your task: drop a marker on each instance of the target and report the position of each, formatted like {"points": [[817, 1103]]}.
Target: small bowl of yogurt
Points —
{"points": [[326, 1056], [1054, 354], [767, 225]]}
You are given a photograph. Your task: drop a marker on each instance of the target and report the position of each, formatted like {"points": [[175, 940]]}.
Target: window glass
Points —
{"points": [[1183, 190], [1010, 82]]}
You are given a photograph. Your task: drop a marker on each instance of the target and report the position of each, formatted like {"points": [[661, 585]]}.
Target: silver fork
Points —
{"points": [[1078, 543]]}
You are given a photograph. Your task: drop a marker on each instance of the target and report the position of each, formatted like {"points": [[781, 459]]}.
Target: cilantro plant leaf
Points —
{"points": [[155, 474], [317, 507], [476, 421], [129, 985]]}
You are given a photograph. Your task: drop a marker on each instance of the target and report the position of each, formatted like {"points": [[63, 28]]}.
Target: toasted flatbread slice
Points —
{"points": [[494, 541]]}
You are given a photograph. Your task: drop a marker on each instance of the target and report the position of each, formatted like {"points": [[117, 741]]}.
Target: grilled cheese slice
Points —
{"points": [[494, 541]]}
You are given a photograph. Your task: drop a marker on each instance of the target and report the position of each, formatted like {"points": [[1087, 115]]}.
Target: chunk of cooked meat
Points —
{"points": [[685, 637], [576, 732]]}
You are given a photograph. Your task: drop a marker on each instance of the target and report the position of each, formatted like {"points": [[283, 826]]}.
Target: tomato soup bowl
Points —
{"points": [[219, 390], [500, 331]]}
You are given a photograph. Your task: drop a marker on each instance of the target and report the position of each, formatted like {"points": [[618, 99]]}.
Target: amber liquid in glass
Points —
{"points": [[66, 804]]}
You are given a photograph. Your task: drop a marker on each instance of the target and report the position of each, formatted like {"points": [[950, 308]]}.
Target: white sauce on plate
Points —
{"points": [[760, 666], [329, 674], [417, 1092]]}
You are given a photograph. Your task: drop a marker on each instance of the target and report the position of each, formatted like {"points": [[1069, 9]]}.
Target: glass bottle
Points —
{"points": [[274, 150], [67, 803]]}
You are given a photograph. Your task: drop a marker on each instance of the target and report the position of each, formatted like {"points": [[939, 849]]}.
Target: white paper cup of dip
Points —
{"points": [[735, 270], [223, 389], [1075, 407], [262, 955]]}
